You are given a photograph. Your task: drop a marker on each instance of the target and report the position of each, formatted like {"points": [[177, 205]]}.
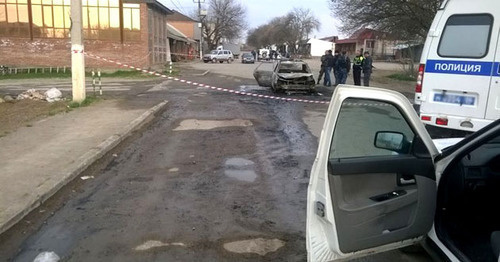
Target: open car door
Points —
{"points": [[372, 185], [264, 74]]}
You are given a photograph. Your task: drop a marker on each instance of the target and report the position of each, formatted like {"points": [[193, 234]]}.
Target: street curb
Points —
{"points": [[85, 161], [203, 74]]}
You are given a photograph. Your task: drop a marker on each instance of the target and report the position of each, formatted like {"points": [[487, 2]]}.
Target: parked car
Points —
{"points": [[293, 75], [219, 56], [247, 58], [379, 182]]}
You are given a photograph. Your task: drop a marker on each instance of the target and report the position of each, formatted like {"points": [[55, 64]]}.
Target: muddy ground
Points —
{"points": [[213, 169]]}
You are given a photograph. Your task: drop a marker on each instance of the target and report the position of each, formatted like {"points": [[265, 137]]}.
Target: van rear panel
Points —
{"points": [[459, 57]]}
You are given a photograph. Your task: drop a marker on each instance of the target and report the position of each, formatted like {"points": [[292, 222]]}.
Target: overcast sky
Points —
{"points": [[261, 11]]}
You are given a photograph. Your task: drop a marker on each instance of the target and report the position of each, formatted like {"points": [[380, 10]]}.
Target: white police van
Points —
{"points": [[458, 85]]}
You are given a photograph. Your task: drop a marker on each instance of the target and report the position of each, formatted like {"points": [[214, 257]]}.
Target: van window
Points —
{"points": [[466, 36]]}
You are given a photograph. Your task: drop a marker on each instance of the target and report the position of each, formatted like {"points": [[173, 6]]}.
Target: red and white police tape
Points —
{"points": [[207, 86]]}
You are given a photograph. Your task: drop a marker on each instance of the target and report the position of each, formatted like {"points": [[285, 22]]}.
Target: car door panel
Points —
{"points": [[363, 196], [363, 223]]}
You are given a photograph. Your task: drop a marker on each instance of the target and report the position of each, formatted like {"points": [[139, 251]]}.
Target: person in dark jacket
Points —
{"points": [[323, 66], [343, 65], [335, 69], [357, 68], [367, 68], [328, 68]]}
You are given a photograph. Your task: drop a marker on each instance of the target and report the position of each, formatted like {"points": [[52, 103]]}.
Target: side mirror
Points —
{"points": [[393, 141]]}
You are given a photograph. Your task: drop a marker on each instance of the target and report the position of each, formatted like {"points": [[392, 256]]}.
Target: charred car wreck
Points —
{"points": [[286, 76]]}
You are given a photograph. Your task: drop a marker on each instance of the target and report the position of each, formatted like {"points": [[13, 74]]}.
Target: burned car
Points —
{"points": [[285, 76]]}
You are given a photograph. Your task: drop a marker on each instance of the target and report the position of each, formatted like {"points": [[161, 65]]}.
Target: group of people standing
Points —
{"points": [[340, 65]]}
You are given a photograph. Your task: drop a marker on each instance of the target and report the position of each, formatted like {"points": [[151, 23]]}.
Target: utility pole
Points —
{"points": [[200, 17], [77, 56]]}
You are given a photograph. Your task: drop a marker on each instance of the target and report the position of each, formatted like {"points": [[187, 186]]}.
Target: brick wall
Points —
{"points": [[21, 52], [187, 28]]}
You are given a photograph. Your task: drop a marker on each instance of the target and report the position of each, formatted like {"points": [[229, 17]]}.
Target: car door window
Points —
{"points": [[359, 121]]}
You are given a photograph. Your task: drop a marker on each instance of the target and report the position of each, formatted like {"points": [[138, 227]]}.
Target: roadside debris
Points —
{"points": [[31, 94], [86, 177], [53, 95], [50, 95], [47, 257], [8, 98], [1, 100]]}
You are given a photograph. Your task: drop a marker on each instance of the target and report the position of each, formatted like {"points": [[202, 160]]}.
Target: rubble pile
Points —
{"points": [[31, 94], [50, 95]]}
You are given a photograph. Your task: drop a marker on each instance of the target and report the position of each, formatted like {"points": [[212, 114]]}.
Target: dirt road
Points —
{"points": [[213, 170]]}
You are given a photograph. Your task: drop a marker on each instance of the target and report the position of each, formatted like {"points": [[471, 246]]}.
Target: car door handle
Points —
{"points": [[406, 180]]}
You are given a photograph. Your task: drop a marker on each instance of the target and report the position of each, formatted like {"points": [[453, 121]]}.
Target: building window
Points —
{"points": [[131, 21], [51, 18], [14, 18], [101, 19]]}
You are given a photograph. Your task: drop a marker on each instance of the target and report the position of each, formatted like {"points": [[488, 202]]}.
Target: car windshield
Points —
{"points": [[247, 55], [293, 68], [214, 52]]}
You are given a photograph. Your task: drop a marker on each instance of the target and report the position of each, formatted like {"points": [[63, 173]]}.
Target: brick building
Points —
{"points": [[381, 45], [184, 36], [36, 32]]}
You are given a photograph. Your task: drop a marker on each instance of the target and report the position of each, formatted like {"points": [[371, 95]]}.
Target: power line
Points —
{"points": [[178, 9], [182, 7]]}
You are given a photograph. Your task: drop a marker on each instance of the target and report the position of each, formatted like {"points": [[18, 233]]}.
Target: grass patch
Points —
{"points": [[88, 101], [116, 74], [35, 75], [175, 72], [125, 74], [402, 77]]}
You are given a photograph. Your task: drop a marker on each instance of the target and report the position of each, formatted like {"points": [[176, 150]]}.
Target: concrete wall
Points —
{"points": [[318, 47]]}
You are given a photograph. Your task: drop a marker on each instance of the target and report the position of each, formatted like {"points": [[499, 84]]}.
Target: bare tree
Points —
{"points": [[226, 19], [406, 19], [288, 29]]}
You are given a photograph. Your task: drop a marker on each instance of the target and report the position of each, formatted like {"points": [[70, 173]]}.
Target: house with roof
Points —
{"points": [[185, 37], [182, 47], [381, 45]]}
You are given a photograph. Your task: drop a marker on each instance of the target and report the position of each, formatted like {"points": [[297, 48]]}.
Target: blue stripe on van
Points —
{"points": [[497, 71], [459, 67]]}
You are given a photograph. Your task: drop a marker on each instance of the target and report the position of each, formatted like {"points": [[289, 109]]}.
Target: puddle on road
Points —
{"points": [[258, 246], [200, 94], [250, 88], [154, 244], [239, 162], [241, 169], [243, 175], [196, 124]]}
